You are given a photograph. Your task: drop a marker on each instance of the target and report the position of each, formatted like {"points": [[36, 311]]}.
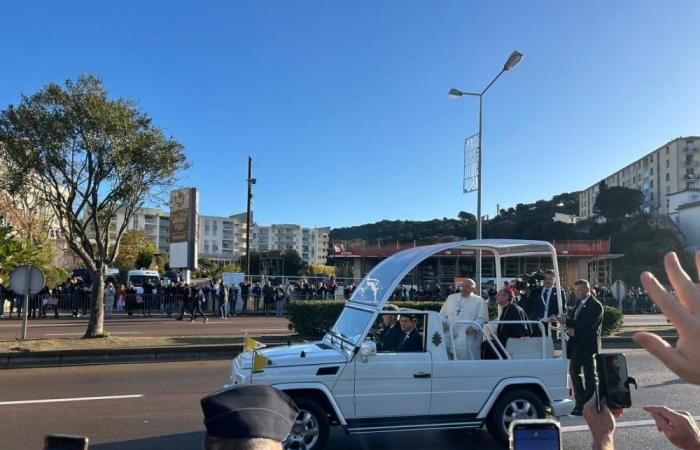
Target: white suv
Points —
{"points": [[343, 380]]}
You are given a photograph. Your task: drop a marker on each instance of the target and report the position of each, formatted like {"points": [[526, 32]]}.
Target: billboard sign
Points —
{"points": [[184, 218]]}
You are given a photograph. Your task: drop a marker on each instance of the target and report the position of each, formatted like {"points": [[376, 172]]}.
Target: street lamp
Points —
{"points": [[512, 61]]}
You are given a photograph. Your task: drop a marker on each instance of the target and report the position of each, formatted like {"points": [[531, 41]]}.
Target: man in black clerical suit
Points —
{"points": [[509, 312], [544, 302], [391, 335], [583, 328], [411, 339]]}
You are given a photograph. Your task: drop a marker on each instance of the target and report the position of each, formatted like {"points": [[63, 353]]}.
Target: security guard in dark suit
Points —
{"points": [[544, 302], [411, 339], [391, 335], [583, 328]]}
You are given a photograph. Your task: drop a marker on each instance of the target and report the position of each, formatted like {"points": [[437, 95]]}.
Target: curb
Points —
{"points": [[61, 358], [80, 357]]}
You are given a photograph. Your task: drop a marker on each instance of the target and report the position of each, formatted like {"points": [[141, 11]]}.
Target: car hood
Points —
{"points": [[297, 355]]}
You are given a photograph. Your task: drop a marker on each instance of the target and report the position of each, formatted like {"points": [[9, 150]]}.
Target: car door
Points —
{"points": [[393, 384]]}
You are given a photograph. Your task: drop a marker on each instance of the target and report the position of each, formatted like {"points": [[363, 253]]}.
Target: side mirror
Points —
{"points": [[369, 348]]}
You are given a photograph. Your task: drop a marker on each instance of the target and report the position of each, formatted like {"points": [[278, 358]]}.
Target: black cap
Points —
{"points": [[249, 411]]}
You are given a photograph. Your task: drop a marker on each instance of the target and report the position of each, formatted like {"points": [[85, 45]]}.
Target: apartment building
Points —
{"points": [[154, 222], [310, 243], [222, 239], [665, 171]]}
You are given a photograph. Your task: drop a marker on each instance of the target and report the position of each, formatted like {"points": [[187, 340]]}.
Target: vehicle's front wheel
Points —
{"points": [[311, 429], [518, 404]]}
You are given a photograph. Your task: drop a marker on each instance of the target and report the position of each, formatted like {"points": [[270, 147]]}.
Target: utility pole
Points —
{"points": [[251, 182]]}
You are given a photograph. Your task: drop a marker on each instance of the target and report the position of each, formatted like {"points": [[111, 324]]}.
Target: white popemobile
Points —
{"points": [[343, 379]]}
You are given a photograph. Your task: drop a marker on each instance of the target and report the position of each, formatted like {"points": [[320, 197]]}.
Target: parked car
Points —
{"points": [[344, 380]]}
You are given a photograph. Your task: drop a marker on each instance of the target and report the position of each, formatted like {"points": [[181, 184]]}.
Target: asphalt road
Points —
{"points": [[157, 406], [154, 326], [642, 320]]}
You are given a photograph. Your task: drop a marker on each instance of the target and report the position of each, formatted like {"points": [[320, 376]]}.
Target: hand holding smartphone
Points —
{"points": [[538, 434]]}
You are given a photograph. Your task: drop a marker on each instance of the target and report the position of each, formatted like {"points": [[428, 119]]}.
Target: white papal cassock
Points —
{"points": [[457, 308]]}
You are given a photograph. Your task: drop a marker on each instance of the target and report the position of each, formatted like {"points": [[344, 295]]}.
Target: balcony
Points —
{"points": [[691, 164], [692, 176], [689, 148]]}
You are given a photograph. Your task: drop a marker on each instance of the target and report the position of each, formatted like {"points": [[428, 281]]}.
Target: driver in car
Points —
{"points": [[391, 335], [411, 339]]}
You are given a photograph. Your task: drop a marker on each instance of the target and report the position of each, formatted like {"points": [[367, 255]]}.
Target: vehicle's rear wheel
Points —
{"points": [[311, 429], [517, 404]]}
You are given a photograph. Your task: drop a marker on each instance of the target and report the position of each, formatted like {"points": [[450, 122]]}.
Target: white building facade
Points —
{"points": [[154, 222], [222, 239], [310, 243], [671, 168]]}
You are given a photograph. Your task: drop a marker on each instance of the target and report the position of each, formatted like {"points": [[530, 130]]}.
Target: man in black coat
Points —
{"points": [[583, 329], [510, 311], [544, 302], [391, 335], [411, 339]]}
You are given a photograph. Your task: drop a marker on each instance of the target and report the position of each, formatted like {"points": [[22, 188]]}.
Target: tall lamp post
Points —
{"points": [[513, 61]]}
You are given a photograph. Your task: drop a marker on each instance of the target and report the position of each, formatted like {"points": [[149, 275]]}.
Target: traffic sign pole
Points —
{"points": [[26, 304]]}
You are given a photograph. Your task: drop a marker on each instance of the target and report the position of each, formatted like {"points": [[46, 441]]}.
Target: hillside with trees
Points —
{"points": [[642, 238]]}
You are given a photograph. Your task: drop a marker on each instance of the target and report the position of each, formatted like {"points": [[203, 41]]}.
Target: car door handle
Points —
{"points": [[421, 375]]}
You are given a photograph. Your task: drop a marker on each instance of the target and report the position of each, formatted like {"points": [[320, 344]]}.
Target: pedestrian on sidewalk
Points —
{"points": [[279, 300], [223, 300], [130, 299], [121, 298], [197, 304], [183, 300], [109, 299]]}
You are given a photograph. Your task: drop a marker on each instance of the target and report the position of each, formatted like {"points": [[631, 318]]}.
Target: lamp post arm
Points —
{"points": [[492, 81]]}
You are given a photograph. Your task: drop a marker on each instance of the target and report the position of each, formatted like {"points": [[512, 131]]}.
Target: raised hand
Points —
{"points": [[683, 312], [679, 427]]}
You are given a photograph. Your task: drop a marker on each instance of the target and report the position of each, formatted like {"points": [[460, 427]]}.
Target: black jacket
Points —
{"points": [[414, 343], [390, 338], [534, 307], [512, 312], [587, 327]]}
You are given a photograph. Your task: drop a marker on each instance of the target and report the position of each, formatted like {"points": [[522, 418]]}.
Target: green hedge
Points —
{"points": [[312, 318], [612, 320]]}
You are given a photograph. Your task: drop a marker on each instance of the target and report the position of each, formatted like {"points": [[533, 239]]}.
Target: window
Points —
{"points": [[651, 183], [206, 227], [214, 225], [668, 177], [668, 203], [668, 189], [668, 163], [667, 150]]}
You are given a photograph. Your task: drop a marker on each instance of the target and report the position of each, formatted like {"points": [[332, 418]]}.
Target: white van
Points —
{"points": [[138, 277]]}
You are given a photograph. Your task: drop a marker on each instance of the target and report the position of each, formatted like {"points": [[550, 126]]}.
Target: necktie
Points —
{"points": [[545, 302], [578, 310], [405, 338]]}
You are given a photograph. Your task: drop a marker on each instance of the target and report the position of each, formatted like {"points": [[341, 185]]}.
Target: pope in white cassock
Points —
{"points": [[465, 305]]}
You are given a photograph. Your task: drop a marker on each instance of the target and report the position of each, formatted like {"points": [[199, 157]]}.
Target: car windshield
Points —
{"points": [[351, 325], [375, 286], [138, 280]]}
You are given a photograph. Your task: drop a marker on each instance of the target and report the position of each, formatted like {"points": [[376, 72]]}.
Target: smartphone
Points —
{"points": [[539, 434], [612, 380], [65, 442]]}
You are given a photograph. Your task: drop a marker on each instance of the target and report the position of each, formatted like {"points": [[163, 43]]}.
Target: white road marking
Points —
{"points": [[76, 399], [630, 424]]}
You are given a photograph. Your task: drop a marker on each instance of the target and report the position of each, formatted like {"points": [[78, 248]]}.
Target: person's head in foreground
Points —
{"points": [[247, 417]]}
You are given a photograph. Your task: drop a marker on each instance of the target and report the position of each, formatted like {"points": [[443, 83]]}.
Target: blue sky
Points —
{"points": [[344, 105]]}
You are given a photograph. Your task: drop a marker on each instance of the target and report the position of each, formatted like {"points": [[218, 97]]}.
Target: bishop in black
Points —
{"points": [[510, 312]]}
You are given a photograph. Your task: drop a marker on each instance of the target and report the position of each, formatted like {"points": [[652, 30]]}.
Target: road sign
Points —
{"points": [[27, 279], [619, 290]]}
